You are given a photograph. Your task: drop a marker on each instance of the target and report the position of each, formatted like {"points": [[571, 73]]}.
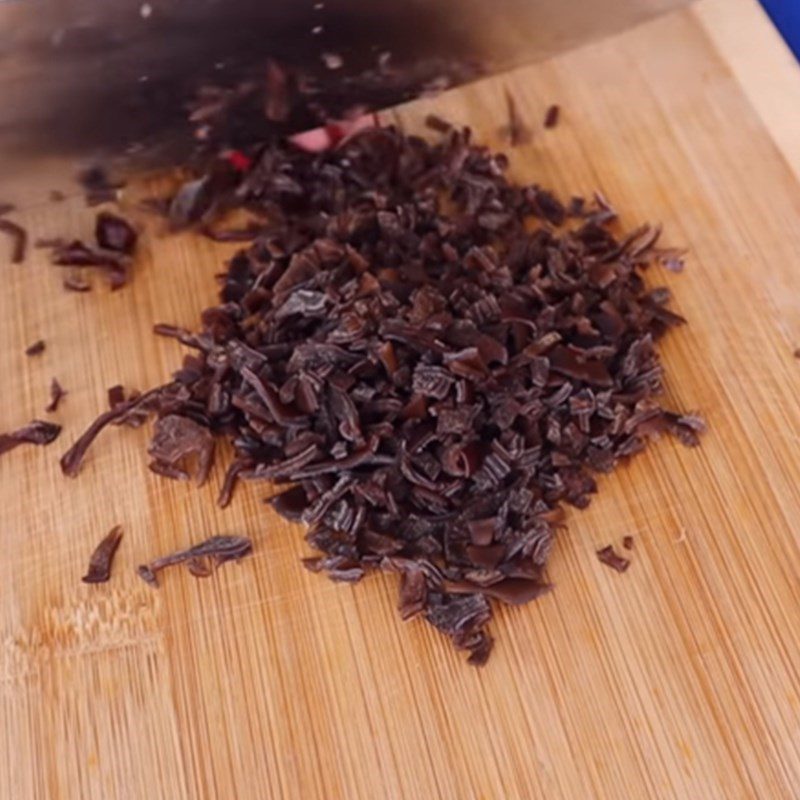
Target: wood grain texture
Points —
{"points": [[678, 679], [763, 65]]}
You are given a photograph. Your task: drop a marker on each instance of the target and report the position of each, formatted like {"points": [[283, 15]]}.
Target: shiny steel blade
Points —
{"points": [[82, 76]]}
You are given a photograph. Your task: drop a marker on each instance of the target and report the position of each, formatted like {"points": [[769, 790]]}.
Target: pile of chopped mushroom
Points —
{"points": [[430, 358]]}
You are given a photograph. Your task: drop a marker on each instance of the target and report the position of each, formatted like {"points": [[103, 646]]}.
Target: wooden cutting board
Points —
{"points": [[678, 679]]}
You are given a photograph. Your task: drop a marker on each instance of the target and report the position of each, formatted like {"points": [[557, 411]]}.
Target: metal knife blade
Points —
{"points": [[116, 76]]}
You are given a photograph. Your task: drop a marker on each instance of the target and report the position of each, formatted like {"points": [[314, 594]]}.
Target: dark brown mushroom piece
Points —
{"points": [[36, 348], [37, 432], [99, 570], [181, 447], [112, 232], [19, 239], [57, 393], [200, 559], [608, 556], [551, 116]]}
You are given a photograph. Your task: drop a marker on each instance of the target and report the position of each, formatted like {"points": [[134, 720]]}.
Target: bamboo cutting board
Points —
{"points": [[678, 679]]}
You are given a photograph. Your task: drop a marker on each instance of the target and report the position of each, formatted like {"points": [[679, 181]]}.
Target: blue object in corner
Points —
{"points": [[786, 16]]}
